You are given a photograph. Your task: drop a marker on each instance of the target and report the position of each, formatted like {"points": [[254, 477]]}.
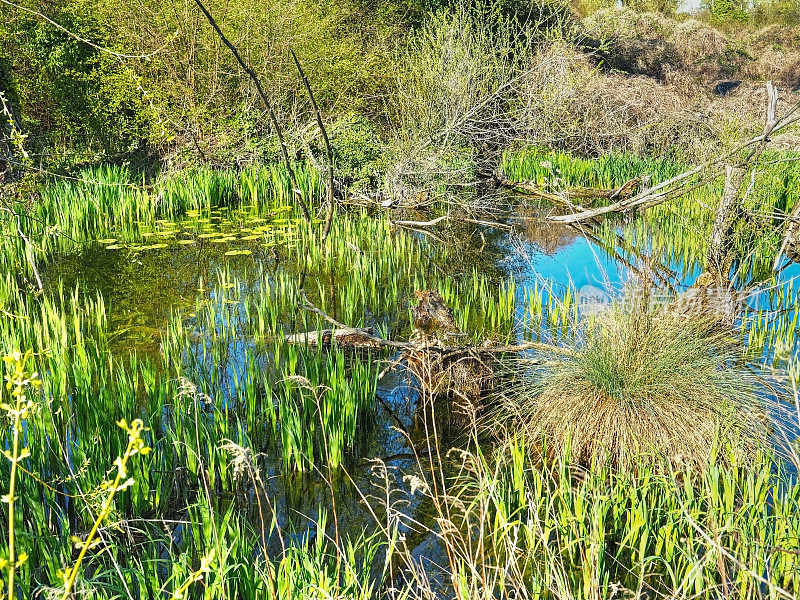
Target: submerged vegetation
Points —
{"points": [[494, 359]]}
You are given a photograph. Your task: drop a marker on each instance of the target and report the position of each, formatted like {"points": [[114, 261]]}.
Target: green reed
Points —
{"points": [[727, 531], [107, 203], [676, 233]]}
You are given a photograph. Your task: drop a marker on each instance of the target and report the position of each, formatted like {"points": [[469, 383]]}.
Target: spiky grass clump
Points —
{"points": [[640, 385]]}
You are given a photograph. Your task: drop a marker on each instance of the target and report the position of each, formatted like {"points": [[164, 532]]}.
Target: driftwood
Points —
{"points": [[411, 345], [345, 336], [434, 356], [465, 375], [459, 219], [681, 184], [719, 257], [624, 192]]}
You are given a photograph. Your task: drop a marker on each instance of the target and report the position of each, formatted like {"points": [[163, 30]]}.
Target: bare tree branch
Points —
{"points": [[680, 184], [321, 125], [273, 118]]}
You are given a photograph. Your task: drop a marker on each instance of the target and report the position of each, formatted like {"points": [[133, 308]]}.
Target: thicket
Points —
{"points": [[176, 82], [408, 87]]}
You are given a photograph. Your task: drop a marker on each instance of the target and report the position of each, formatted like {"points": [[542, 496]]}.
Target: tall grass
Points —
{"points": [[515, 527]]}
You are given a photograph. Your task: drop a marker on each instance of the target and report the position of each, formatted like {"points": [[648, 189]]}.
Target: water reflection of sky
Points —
{"points": [[578, 264]]}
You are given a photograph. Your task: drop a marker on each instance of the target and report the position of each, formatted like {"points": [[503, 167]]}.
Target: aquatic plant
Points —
{"points": [[107, 203], [511, 526], [214, 366], [17, 384]]}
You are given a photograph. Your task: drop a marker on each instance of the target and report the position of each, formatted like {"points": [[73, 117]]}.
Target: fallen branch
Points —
{"points": [[676, 186], [432, 346], [437, 220], [341, 336], [329, 217], [528, 189], [419, 223], [625, 191], [307, 305]]}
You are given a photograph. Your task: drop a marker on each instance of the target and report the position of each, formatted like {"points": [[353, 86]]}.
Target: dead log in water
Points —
{"points": [[624, 192], [347, 336]]}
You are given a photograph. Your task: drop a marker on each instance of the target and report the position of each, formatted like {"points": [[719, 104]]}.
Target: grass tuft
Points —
{"points": [[643, 385]]}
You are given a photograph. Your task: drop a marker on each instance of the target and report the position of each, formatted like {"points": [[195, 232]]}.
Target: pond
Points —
{"points": [[181, 304], [215, 293]]}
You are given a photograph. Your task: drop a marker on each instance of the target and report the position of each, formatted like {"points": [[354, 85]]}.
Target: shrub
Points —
{"points": [[785, 12], [68, 91], [357, 151]]}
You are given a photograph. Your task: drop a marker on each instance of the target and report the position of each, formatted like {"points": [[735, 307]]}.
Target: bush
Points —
{"points": [[357, 152], [69, 92], [190, 86], [783, 12], [456, 90], [726, 11]]}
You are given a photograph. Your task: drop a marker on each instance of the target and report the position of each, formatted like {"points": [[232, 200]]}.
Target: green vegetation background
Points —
{"points": [[175, 94]]}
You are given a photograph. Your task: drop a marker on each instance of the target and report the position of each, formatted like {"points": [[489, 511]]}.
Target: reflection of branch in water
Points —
{"points": [[661, 272]]}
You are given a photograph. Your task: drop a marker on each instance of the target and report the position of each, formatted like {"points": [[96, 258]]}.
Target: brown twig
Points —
{"points": [[273, 118], [676, 186], [28, 245], [321, 125], [414, 225], [624, 192]]}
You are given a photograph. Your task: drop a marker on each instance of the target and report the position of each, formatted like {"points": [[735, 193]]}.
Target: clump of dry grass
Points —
{"points": [[570, 103], [643, 387], [657, 45]]}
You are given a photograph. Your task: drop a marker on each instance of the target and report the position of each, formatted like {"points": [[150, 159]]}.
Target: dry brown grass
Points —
{"points": [[643, 387], [655, 45], [650, 84], [570, 103]]}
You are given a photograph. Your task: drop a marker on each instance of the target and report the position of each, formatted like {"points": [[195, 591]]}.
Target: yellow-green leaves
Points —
{"points": [[19, 378], [136, 445], [17, 381], [206, 565]]}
